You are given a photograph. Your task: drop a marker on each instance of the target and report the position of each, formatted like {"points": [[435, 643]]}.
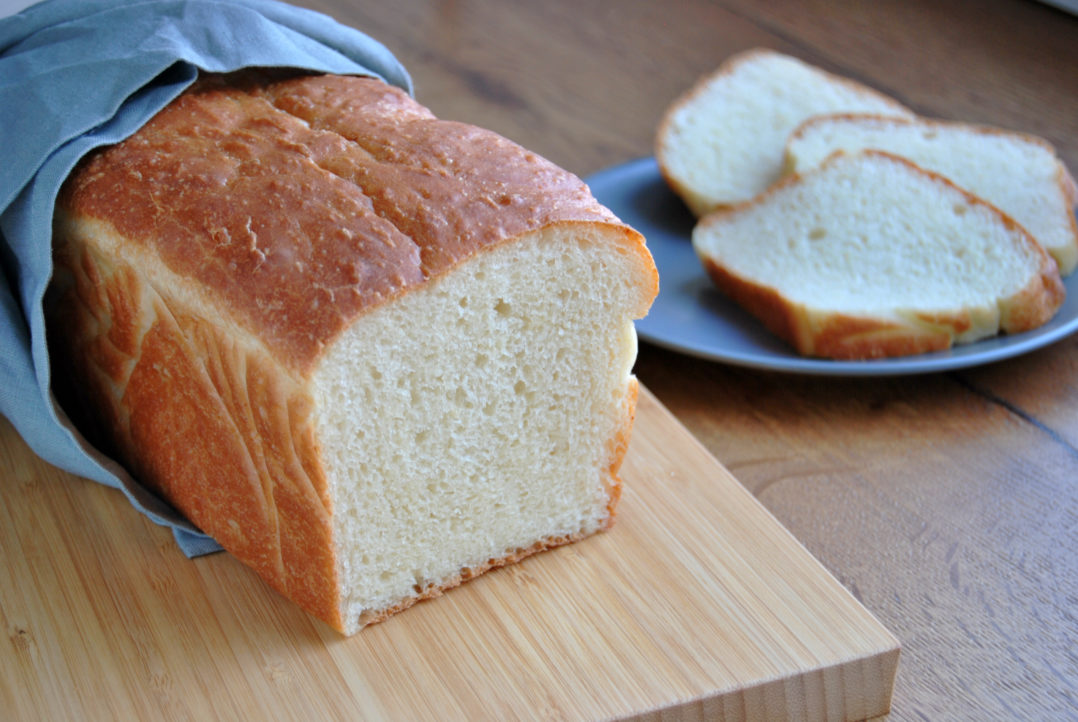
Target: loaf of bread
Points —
{"points": [[1018, 173], [722, 141], [371, 352], [869, 255]]}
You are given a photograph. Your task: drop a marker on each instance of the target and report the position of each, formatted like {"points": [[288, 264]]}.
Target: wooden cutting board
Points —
{"points": [[697, 605]]}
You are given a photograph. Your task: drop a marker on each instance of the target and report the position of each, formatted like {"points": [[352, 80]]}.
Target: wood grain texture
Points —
{"points": [[929, 509], [947, 502], [697, 605]]}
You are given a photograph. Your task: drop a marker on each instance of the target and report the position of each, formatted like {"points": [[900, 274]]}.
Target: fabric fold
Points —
{"points": [[79, 74]]}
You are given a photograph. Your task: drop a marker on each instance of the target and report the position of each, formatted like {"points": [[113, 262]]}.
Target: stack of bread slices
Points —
{"points": [[854, 229]]}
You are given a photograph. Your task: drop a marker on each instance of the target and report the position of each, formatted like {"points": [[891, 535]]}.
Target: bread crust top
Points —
{"points": [[300, 202]]}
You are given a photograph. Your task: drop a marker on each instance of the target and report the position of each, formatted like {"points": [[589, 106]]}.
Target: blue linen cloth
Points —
{"points": [[78, 74]]}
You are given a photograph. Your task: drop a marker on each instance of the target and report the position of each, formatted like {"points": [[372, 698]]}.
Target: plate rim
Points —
{"points": [[622, 176]]}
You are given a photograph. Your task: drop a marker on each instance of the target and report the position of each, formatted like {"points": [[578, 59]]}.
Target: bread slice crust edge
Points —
{"points": [[830, 334]]}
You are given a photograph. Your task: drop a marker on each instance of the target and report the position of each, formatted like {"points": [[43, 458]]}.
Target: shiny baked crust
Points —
{"points": [[205, 265]]}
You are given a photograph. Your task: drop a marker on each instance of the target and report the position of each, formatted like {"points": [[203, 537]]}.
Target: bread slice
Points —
{"points": [[371, 352], [1020, 174], [722, 142], [871, 256]]}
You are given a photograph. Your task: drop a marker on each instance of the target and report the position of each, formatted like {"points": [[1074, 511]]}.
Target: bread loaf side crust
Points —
{"points": [[209, 423], [197, 290]]}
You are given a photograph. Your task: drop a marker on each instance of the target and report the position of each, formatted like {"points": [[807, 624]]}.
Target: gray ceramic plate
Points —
{"points": [[692, 317]]}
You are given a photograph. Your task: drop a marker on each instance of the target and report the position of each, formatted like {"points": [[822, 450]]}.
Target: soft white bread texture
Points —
{"points": [[722, 142], [1018, 173], [871, 256], [371, 352]]}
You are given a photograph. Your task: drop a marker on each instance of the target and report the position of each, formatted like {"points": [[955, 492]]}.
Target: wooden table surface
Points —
{"points": [[946, 503]]}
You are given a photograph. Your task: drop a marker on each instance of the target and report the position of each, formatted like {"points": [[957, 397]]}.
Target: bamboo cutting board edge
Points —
{"points": [[697, 605]]}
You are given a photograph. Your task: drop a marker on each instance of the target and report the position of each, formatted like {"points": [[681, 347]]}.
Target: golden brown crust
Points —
{"points": [[1067, 186], [211, 426], [699, 205], [845, 336], [1034, 305], [332, 196], [920, 121], [836, 336], [1070, 194], [1070, 187]]}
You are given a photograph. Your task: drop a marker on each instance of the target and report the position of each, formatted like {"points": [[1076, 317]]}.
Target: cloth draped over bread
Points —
{"points": [[79, 74]]}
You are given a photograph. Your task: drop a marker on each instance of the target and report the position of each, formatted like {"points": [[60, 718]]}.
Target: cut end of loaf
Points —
{"points": [[370, 352], [479, 419]]}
